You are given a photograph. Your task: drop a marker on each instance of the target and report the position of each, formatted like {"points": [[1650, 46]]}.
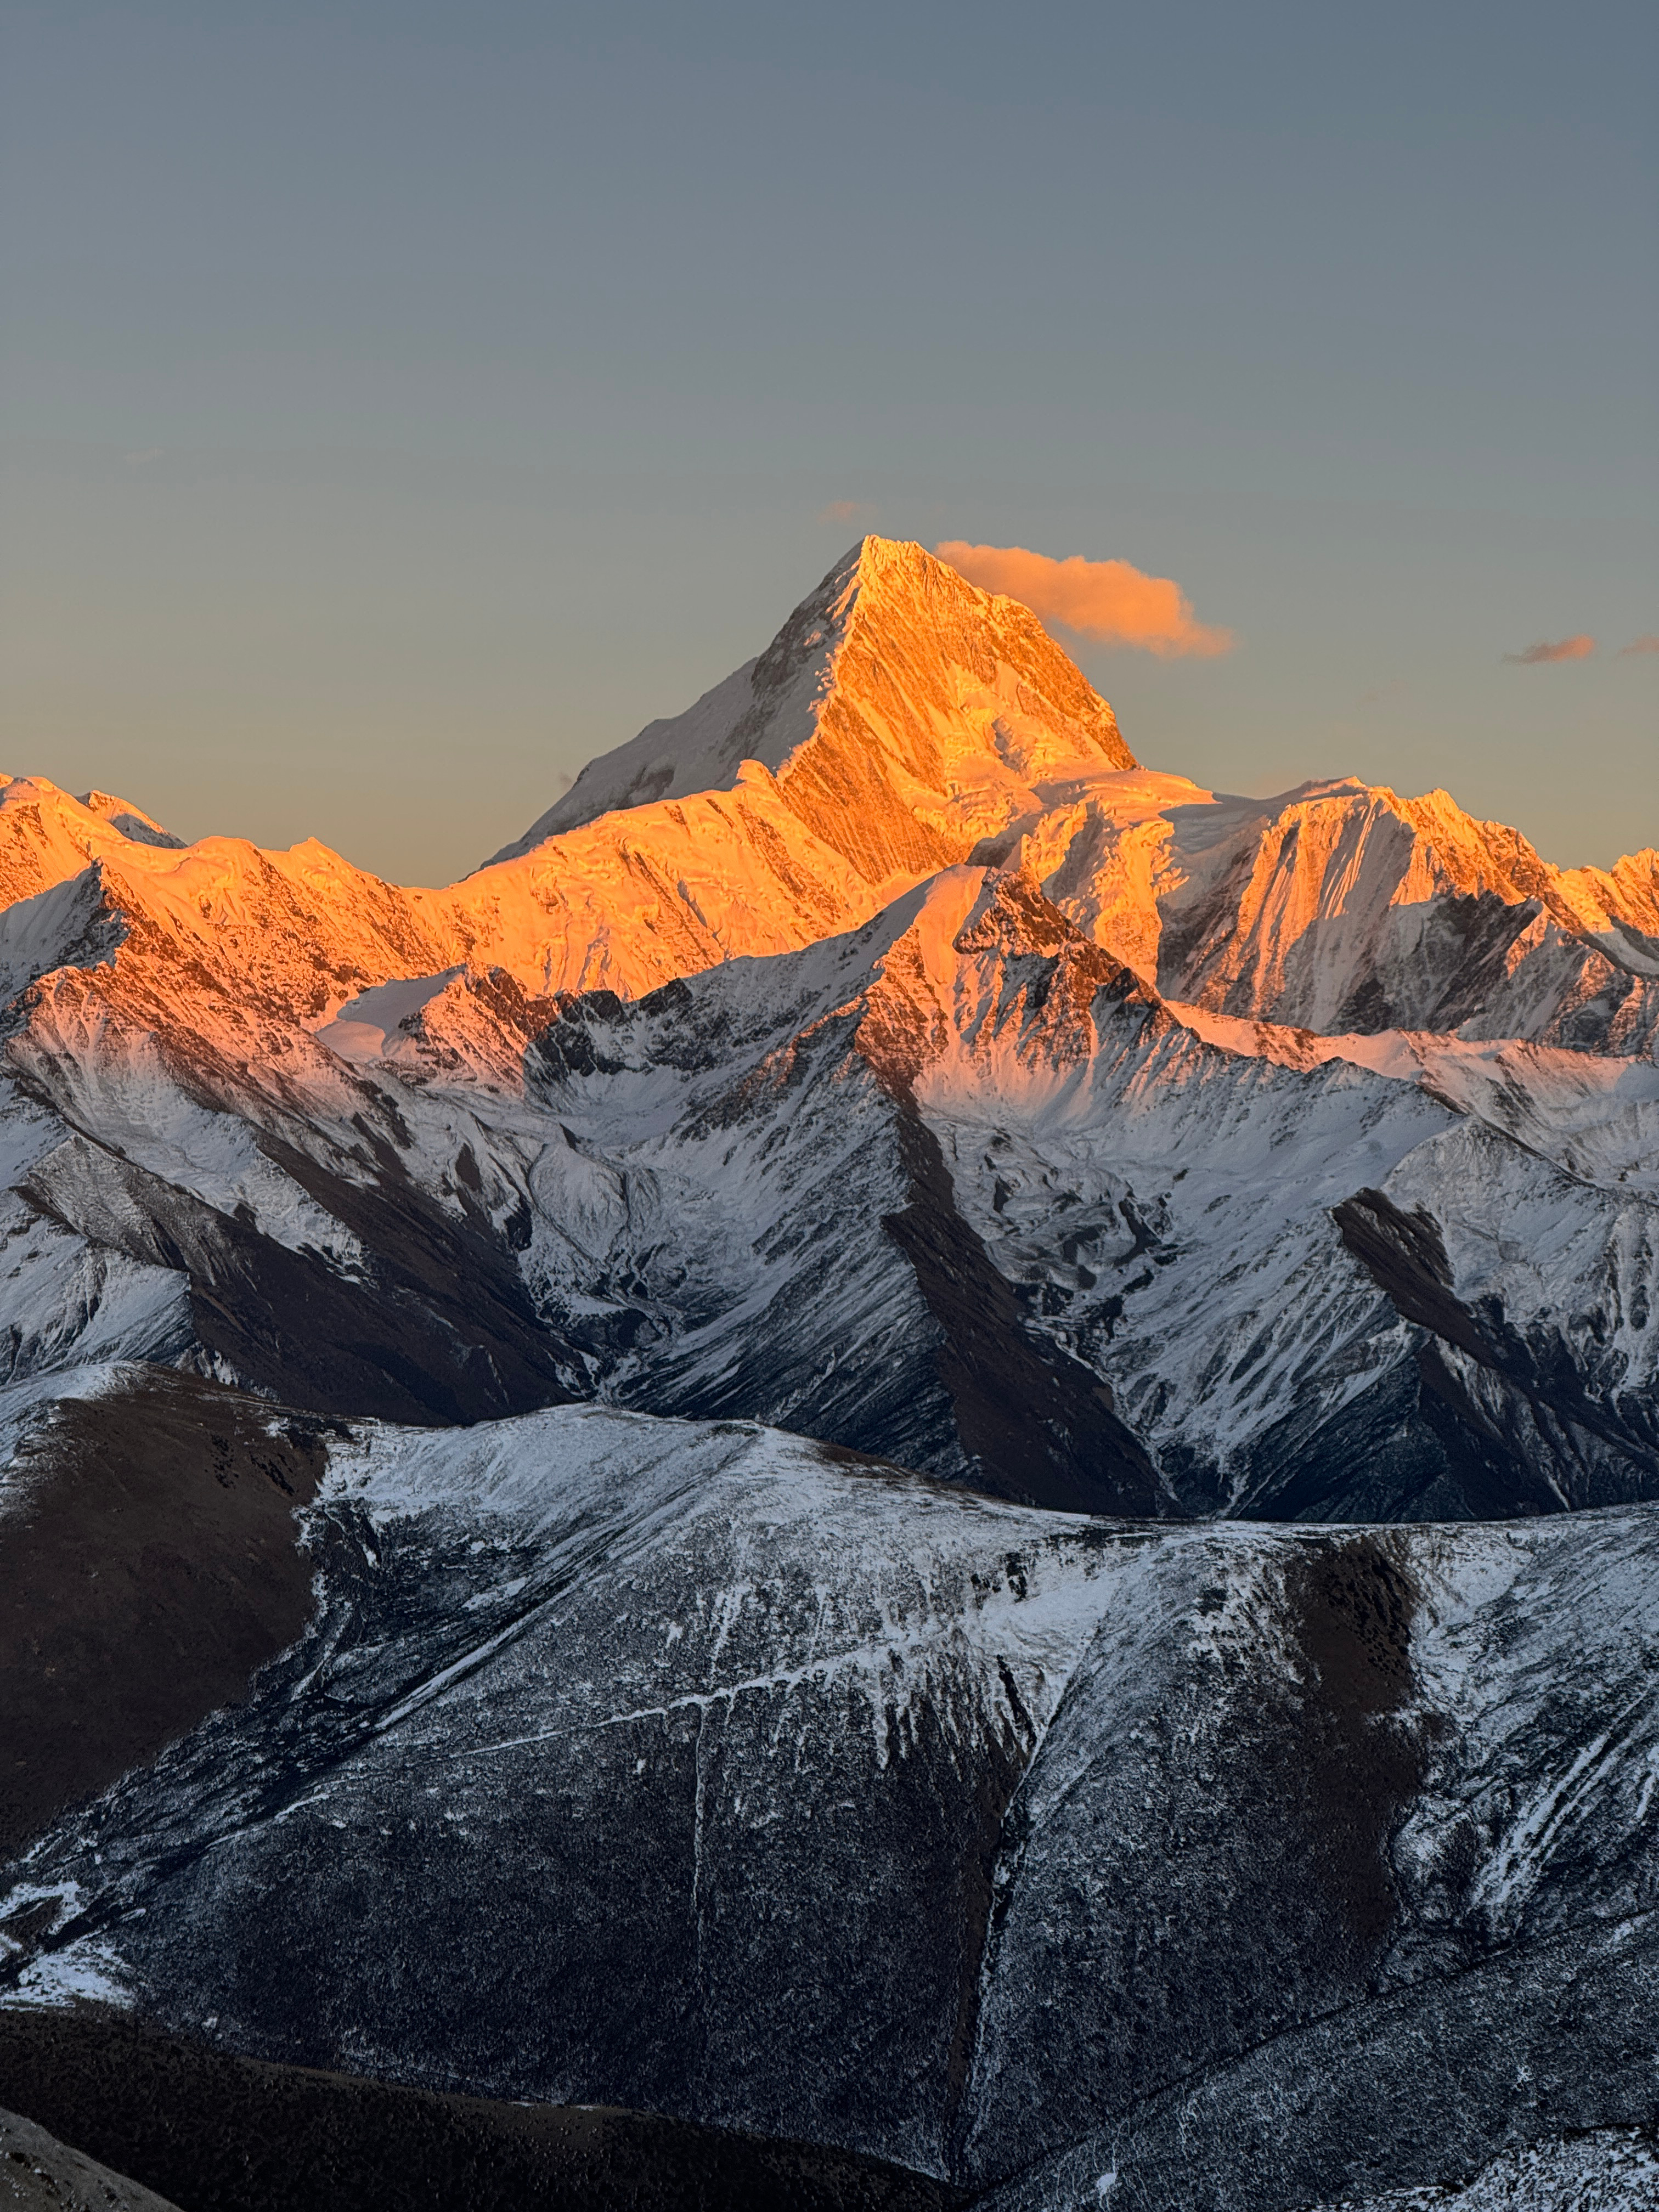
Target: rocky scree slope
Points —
{"points": [[40, 2174]]}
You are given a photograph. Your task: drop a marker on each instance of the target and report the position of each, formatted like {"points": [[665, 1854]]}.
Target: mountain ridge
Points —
{"points": [[273, 1068], [720, 1775], [946, 1448]]}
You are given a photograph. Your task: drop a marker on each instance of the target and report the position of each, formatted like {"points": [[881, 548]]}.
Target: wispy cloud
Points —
{"points": [[1569, 648], [1646, 643], [847, 510], [1109, 600]]}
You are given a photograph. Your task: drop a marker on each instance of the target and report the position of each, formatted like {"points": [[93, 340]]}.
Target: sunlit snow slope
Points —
{"points": [[900, 714]]}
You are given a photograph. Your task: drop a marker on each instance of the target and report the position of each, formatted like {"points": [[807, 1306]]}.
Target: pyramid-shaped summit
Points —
{"points": [[903, 713]]}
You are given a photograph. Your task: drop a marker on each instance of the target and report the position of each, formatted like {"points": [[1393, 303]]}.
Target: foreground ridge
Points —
{"points": [[680, 1765]]}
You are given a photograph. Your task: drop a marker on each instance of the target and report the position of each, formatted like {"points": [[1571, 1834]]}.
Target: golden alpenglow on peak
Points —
{"points": [[900, 713]]}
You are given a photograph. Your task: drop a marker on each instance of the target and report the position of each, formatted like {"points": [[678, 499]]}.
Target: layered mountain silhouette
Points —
{"points": [[906, 1440]]}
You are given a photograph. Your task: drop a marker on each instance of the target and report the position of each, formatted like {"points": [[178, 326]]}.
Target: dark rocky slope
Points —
{"points": [[37, 2173], [644, 1764], [233, 2135]]}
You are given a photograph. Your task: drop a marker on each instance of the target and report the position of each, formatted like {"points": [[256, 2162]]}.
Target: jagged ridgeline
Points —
{"points": [[917, 1453]]}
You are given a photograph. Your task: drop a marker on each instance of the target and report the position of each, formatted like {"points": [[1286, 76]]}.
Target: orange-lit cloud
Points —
{"points": [[1647, 643], [845, 510], [1569, 649], [1106, 599]]}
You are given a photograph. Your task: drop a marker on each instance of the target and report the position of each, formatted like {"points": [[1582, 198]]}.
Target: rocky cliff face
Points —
{"points": [[909, 1437]]}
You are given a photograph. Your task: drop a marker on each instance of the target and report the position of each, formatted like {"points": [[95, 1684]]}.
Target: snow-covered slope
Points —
{"points": [[248, 1095], [231, 944], [1603, 2170], [959, 1189], [691, 1767], [1342, 906]]}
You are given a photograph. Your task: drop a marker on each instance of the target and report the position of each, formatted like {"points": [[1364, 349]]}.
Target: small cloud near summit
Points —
{"points": [[1569, 649], [1109, 600], [847, 510], [1646, 643]]}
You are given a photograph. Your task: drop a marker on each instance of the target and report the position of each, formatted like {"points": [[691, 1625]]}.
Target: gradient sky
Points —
{"points": [[402, 404]]}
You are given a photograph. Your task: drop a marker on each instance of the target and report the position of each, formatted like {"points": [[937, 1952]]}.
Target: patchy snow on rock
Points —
{"points": [[604, 1720], [1609, 2170]]}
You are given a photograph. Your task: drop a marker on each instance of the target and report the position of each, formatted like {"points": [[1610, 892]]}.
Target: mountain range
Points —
{"points": [[919, 1453]]}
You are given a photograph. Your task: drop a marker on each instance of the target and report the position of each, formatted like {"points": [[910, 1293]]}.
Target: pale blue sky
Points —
{"points": [[403, 403]]}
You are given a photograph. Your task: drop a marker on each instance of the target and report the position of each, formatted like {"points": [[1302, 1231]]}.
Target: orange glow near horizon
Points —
{"points": [[1111, 601]]}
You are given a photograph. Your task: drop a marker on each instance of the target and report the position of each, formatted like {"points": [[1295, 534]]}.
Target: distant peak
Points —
{"points": [[41, 793]]}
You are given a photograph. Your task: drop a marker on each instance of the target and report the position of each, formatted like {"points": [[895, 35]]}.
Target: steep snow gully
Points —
{"points": [[922, 1457]]}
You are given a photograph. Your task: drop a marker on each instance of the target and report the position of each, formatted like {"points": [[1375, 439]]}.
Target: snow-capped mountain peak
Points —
{"points": [[904, 712]]}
